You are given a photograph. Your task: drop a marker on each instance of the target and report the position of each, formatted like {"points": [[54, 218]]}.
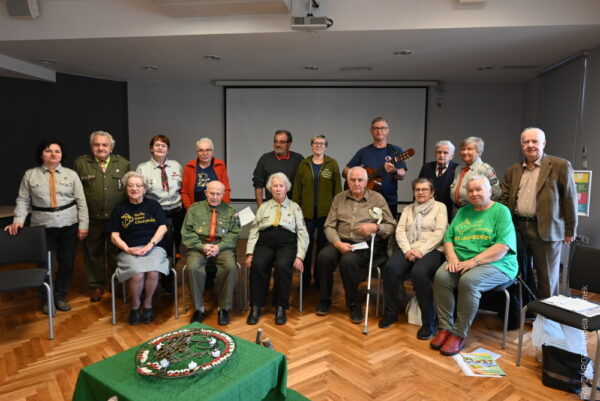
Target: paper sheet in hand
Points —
{"points": [[246, 216], [572, 304], [360, 245]]}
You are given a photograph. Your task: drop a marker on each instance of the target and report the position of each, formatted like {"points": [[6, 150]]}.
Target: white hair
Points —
{"points": [[280, 176], [102, 133]]}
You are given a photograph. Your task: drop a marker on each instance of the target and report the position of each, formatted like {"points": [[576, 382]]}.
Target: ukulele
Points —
{"points": [[375, 174]]}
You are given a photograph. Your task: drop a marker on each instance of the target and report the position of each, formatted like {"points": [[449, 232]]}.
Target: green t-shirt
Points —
{"points": [[472, 232]]}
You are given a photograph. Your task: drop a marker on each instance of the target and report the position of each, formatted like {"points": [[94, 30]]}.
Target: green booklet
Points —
{"points": [[480, 364]]}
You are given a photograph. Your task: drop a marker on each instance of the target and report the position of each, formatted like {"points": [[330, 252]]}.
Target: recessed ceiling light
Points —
{"points": [[402, 52], [311, 67], [47, 61], [150, 68], [212, 57], [363, 68], [485, 68]]}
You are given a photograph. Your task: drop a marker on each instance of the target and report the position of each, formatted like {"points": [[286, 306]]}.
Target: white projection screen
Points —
{"points": [[342, 114]]}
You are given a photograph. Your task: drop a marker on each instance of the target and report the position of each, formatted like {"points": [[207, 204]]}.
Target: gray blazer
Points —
{"points": [[556, 199]]}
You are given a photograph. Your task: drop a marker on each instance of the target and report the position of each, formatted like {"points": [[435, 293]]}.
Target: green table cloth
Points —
{"points": [[252, 373]]}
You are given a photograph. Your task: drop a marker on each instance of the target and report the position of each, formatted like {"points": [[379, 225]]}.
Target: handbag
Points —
{"points": [[563, 370]]}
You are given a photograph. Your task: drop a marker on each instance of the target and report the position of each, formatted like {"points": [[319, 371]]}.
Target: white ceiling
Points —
{"points": [[115, 39]]}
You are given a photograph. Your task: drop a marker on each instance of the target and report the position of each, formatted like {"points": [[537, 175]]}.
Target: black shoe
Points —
{"points": [[426, 332], [134, 317], [223, 317], [45, 309], [147, 315], [62, 305], [386, 322], [167, 283], [197, 316], [280, 317], [253, 315], [356, 315], [323, 308]]}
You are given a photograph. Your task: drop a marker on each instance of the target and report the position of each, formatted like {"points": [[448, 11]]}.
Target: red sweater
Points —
{"points": [[189, 180]]}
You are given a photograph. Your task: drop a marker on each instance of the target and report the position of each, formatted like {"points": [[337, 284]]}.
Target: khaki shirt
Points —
{"points": [[291, 219], [478, 167], [347, 214], [526, 202], [170, 199], [102, 190], [196, 226], [35, 191]]}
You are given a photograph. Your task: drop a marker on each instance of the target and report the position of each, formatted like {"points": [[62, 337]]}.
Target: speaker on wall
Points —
{"points": [[23, 8]]}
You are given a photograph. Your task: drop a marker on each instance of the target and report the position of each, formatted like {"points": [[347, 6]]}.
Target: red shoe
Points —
{"points": [[96, 294], [439, 339], [452, 346]]}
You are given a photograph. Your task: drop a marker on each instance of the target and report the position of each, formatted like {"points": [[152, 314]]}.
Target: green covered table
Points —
{"points": [[252, 373]]}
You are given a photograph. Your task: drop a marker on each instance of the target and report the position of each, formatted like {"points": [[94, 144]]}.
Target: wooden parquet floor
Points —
{"points": [[328, 357]]}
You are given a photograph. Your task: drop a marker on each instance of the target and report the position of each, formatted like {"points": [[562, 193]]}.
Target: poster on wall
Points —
{"points": [[583, 183]]}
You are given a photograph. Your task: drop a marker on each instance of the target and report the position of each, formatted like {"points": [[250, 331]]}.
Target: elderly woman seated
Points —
{"points": [[278, 238], [137, 226], [480, 247], [419, 235]]}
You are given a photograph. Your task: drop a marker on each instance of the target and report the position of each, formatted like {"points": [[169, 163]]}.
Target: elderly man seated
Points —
{"points": [[348, 223], [210, 232], [480, 246]]}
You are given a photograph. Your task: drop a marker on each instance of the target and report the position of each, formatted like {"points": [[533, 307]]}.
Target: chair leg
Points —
{"points": [[51, 308], [176, 295], [300, 292], [124, 289], [377, 312], [521, 328], [184, 303], [112, 298], [505, 330]]}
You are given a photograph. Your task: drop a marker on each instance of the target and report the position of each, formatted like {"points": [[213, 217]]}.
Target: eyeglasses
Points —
{"points": [[319, 143], [160, 145], [204, 150], [277, 141], [379, 128], [422, 189]]}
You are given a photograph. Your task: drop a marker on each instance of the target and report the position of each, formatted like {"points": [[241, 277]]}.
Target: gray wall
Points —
{"points": [[590, 137]]}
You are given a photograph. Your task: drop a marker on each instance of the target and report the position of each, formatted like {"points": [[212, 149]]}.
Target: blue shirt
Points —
{"points": [[203, 177], [372, 157]]}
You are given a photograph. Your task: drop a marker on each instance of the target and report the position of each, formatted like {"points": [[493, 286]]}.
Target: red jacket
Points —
{"points": [[189, 180]]}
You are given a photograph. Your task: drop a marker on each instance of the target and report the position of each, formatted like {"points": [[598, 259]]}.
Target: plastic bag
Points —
{"points": [[413, 312]]}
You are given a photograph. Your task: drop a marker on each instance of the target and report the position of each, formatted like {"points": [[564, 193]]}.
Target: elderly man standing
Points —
{"points": [[348, 223], [441, 173], [282, 159], [540, 192], [100, 173], [381, 155], [210, 232]]}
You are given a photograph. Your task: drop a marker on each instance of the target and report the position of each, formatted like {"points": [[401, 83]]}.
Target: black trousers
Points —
{"points": [[421, 273], [275, 248], [62, 243], [350, 264], [312, 226]]}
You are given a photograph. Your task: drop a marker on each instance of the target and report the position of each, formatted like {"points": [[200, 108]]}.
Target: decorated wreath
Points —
{"points": [[183, 353]]}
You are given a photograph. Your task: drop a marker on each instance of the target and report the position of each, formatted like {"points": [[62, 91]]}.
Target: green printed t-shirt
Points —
{"points": [[472, 232]]}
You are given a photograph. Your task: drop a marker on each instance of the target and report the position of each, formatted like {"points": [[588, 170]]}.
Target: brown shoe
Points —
{"points": [[439, 339], [96, 294], [452, 346]]}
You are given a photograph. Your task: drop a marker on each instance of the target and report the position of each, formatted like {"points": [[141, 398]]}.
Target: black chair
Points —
{"points": [[503, 288], [28, 246], [584, 275]]}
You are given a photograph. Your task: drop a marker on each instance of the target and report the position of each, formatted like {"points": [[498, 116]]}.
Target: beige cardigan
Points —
{"points": [[433, 229]]}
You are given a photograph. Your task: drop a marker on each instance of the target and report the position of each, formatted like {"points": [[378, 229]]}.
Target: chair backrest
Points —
{"points": [[584, 273], [28, 246]]}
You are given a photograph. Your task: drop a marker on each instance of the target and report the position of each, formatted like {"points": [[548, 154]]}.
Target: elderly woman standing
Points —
{"points": [[419, 235], [55, 195], [137, 226], [278, 238], [471, 150], [202, 170], [163, 176], [481, 250], [317, 181]]}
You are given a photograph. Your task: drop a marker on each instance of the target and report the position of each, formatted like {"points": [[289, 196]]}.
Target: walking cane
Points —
{"points": [[377, 214]]}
